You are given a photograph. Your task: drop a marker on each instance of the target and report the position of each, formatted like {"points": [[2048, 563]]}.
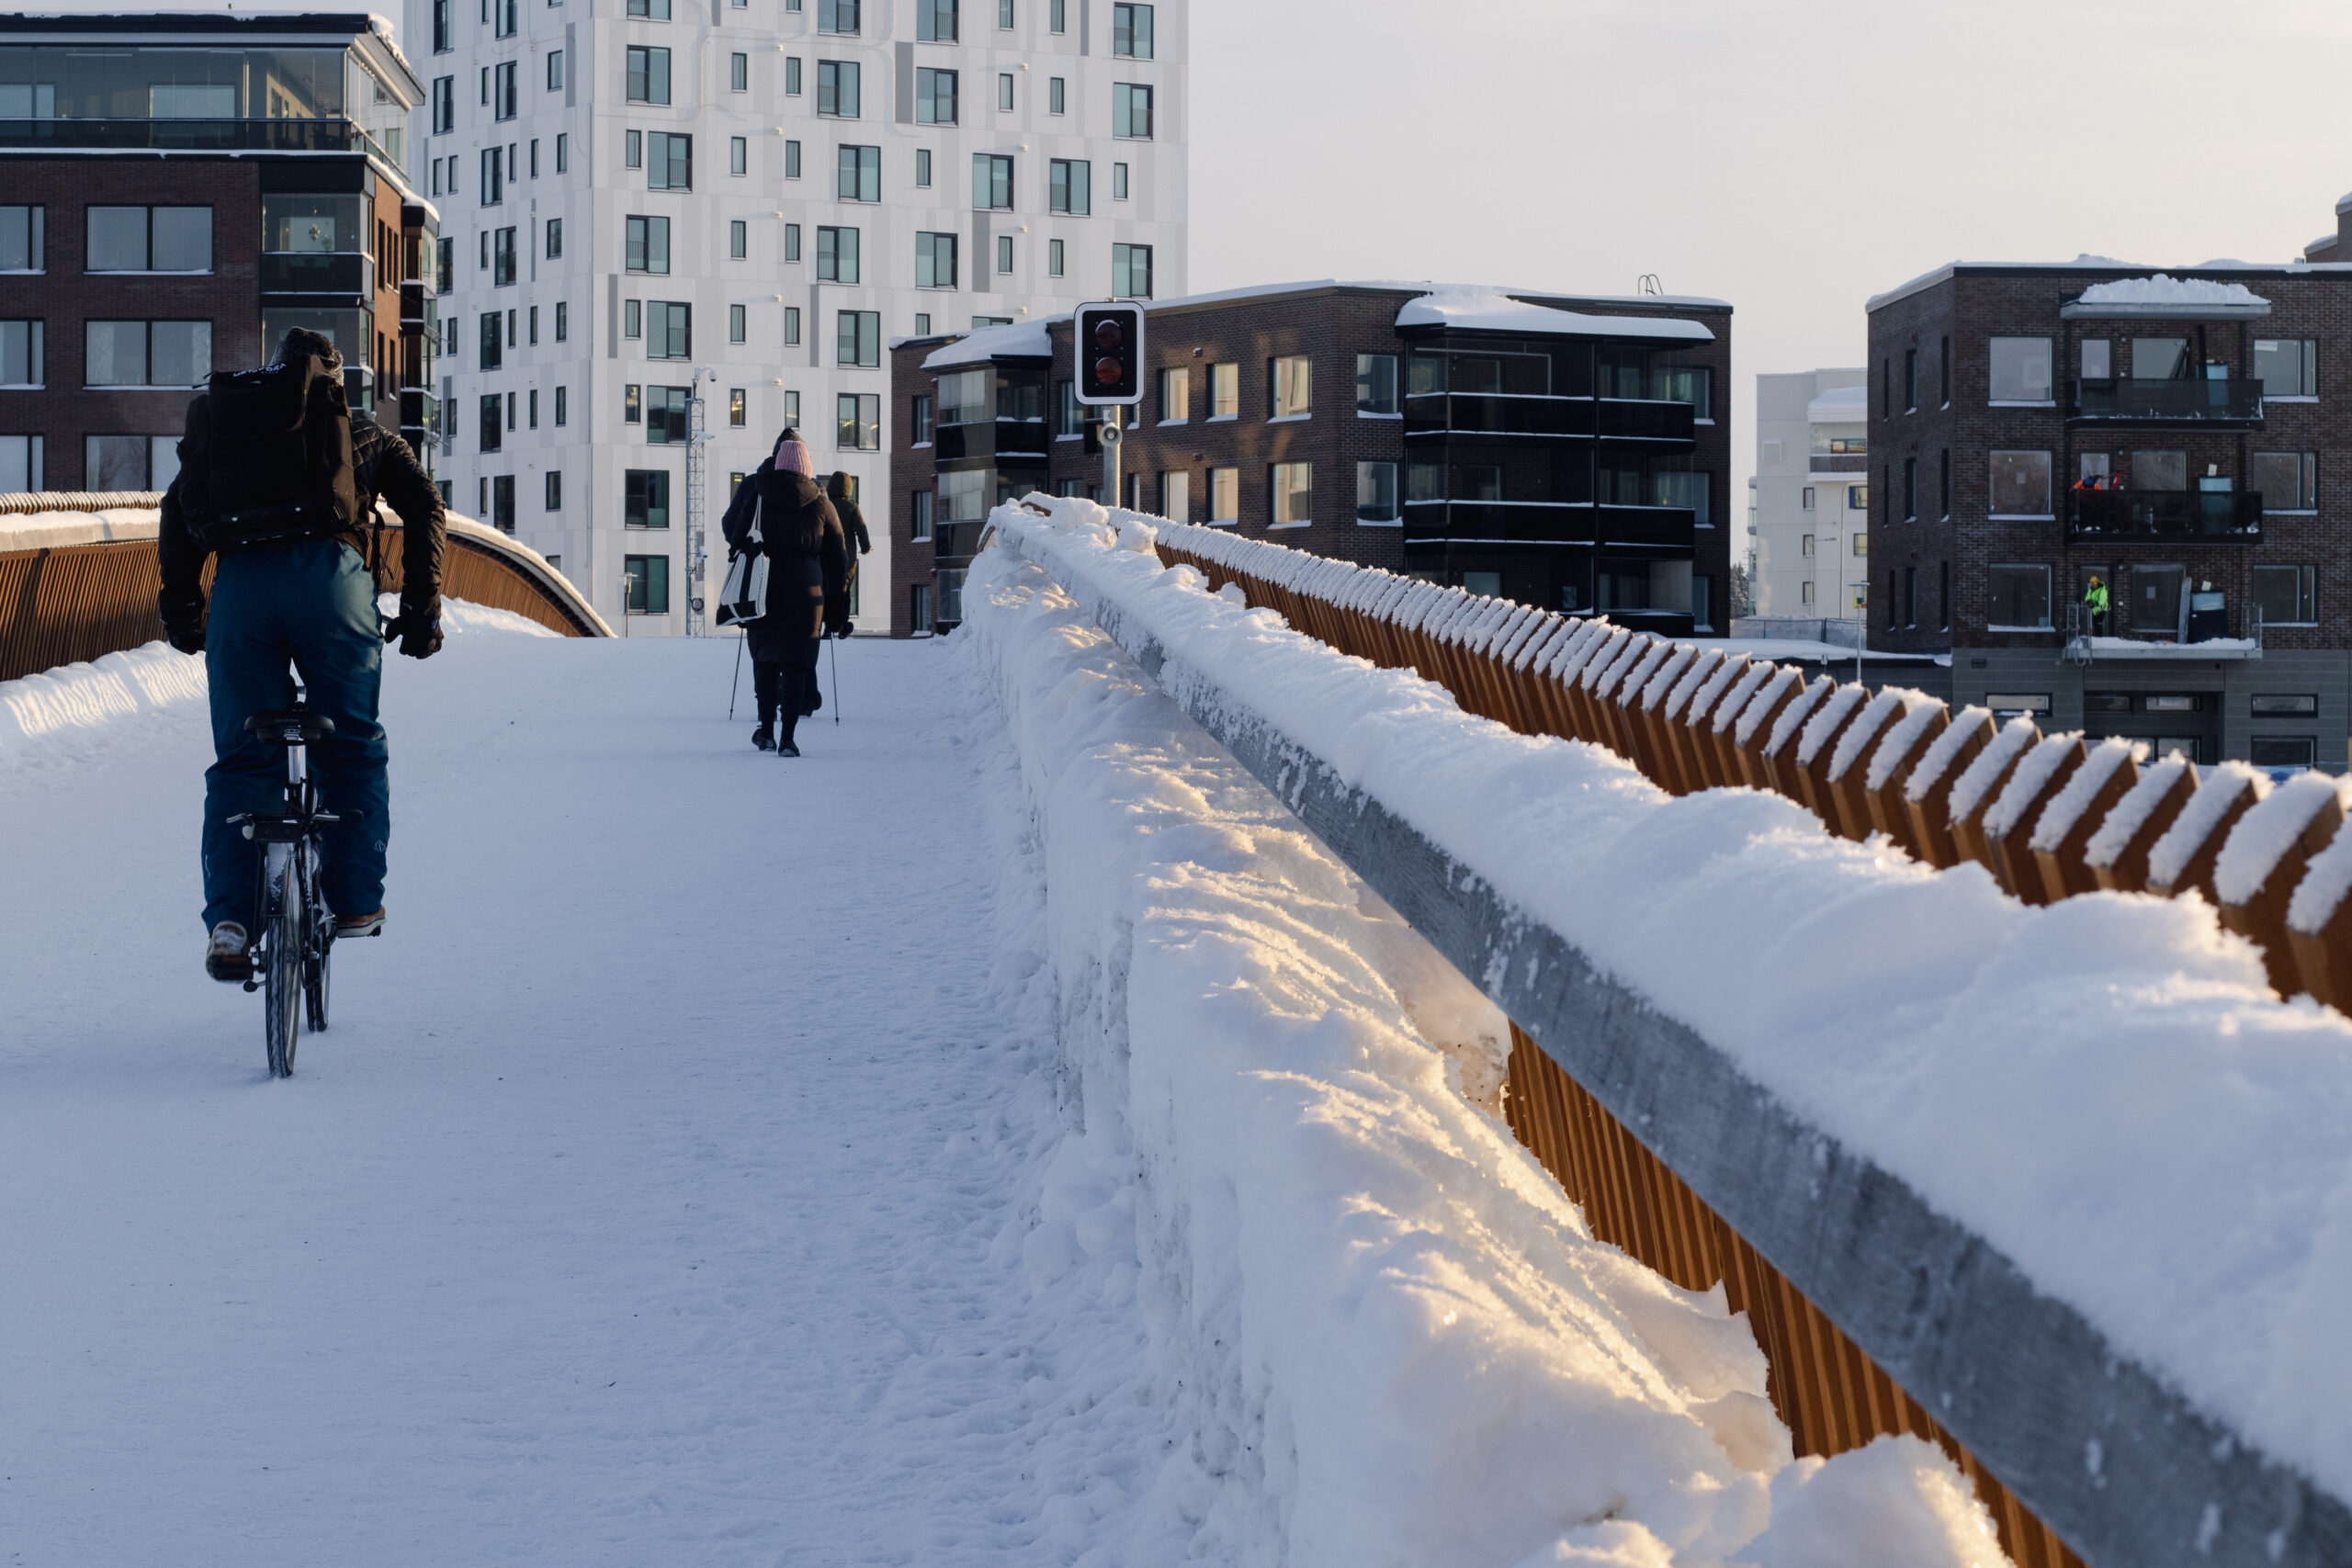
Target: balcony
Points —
{"points": [[2123, 516], [1646, 420], [192, 135], [1497, 414], [419, 308], [1550, 522], [346, 274], [2214, 404], [1837, 462], [1014, 441], [956, 541]]}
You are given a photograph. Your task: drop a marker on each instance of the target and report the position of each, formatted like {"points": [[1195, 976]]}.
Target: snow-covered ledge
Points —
{"points": [[2070, 1174]]}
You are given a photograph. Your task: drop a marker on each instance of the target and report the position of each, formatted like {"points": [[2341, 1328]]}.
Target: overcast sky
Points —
{"points": [[1792, 158]]}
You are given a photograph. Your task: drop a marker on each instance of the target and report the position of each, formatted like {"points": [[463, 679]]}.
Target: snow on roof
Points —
{"points": [[1840, 405], [2343, 201], [1478, 309], [1022, 339], [2161, 289], [1424, 285]]}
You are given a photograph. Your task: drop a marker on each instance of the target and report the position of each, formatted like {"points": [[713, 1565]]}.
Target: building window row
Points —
{"points": [[2020, 370]]}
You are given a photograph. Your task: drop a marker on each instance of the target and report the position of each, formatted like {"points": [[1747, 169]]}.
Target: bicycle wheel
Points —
{"points": [[318, 952], [281, 985]]}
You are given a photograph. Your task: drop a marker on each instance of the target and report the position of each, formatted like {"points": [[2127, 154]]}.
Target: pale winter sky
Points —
{"points": [[1791, 156]]}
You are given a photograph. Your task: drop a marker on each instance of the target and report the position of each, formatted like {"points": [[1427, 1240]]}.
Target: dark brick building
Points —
{"points": [[2182, 437], [176, 190], [1555, 450]]}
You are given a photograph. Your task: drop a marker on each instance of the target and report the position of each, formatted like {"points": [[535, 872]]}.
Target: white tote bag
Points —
{"points": [[744, 596]]}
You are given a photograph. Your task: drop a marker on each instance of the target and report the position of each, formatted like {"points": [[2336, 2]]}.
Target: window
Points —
{"points": [[791, 331], [110, 462], [669, 160], [992, 181], [1943, 596], [1054, 259], [1807, 499], [1668, 487], [1004, 16], [503, 93], [791, 242], [665, 415], [739, 155], [632, 402], [2285, 706], [1943, 485], [504, 10], [1055, 19], [739, 239], [1289, 387], [2281, 751], [555, 238], [533, 339], [444, 25], [555, 80], [2287, 481], [857, 418], [1804, 592], [646, 243], [1225, 495], [837, 16], [2160, 470], [2097, 361], [444, 101], [1071, 187], [1131, 32], [1377, 384], [735, 324], [935, 21], [1861, 544], [1377, 493], [837, 88], [1943, 372], [2287, 595], [649, 76], [2020, 597], [857, 174], [2159, 358], [935, 97], [1118, 181], [23, 359], [1175, 395], [2009, 704], [1225, 392], [669, 330], [1910, 490], [858, 339], [562, 412], [1004, 253], [967, 396], [922, 510], [2020, 370], [563, 152], [2287, 367], [1176, 495], [951, 594], [837, 256], [1910, 380], [1069, 416], [1805, 546], [739, 73], [648, 584], [492, 422], [919, 420], [1131, 272], [923, 167], [1056, 95], [163, 239], [1131, 110], [502, 257], [1005, 92], [2155, 598], [1292, 486], [1692, 384], [2020, 484], [792, 160], [146, 354], [23, 246], [963, 496], [645, 498]]}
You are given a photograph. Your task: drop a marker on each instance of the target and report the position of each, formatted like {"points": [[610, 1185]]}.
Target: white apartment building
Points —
{"points": [[1810, 495], [645, 203]]}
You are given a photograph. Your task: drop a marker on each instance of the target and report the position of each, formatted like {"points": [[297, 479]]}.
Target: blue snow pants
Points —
{"points": [[310, 607]]}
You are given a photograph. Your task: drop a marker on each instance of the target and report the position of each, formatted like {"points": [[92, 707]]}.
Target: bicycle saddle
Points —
{"points": [[291, 726]]}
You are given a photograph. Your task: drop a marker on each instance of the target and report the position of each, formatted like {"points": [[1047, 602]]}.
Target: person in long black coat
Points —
{"points": [[841, 490], [807, 585]]}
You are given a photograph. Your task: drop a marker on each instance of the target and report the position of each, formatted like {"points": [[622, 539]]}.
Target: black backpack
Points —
{"points": [[278, 447]]}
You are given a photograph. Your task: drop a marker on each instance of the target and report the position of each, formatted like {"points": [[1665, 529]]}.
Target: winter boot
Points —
{"points": [[787, 750], [763, 738], [360, 925], [230, 954]]}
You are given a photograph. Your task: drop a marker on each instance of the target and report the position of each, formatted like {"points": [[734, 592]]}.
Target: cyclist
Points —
{"points": [[287, 501]]}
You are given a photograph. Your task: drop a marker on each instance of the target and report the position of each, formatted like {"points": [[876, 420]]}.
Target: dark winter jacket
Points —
{"points": [[861, 543], [381, 465], [807, 563]]}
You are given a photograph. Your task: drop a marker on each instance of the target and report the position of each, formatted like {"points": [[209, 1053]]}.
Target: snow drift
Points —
{"points": [[1400, 1342]]}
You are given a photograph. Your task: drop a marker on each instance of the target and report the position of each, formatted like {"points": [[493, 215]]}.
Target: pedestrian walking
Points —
{"points": [[807, 595], [841, 489]]}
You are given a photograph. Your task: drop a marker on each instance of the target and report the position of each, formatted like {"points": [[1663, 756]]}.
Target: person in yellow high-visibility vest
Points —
{"points": [[2095, 604]]}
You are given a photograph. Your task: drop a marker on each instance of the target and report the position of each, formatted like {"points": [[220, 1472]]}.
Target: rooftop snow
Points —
{"points": [[1424, 286], [1840, 405], [1022, 339], [2162, 292], [1478, 309]]}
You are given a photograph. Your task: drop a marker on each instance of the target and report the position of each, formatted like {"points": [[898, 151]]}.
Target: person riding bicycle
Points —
{"points": [[281, 482]]}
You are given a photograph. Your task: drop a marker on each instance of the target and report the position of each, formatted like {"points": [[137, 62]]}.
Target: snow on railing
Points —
{"points": [[2022, 1163]]}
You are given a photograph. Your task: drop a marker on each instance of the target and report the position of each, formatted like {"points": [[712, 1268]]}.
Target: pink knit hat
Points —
{"points": [[792, 458]]}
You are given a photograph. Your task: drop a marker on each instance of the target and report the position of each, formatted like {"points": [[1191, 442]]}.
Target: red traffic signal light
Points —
{"points": [[1109, 343]]}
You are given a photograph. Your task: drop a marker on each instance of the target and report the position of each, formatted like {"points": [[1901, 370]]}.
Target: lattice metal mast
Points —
{"points": [[698, 436]]}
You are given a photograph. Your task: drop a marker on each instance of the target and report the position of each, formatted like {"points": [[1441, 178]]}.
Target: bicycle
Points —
{"points": [[294, 945]]}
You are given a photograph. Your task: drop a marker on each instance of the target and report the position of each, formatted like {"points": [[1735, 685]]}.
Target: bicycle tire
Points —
{"points": [[318, 952], [281, 982]]}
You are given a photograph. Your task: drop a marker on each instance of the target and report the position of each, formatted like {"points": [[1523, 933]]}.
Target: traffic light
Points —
{"points": [[1110, 355]]}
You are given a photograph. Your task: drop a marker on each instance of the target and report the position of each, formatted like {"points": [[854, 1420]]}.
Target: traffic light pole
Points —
{"points": [[1113, 418]]}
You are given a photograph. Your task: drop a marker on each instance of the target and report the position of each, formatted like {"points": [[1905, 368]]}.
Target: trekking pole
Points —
{"points": [[836, 677], [737, 684]]}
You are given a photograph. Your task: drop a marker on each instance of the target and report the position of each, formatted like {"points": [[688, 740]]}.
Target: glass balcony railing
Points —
{"points": [[1558, 523], [345, 272], [1480, 413], [203, 135], [2131, 399], [2164, 515], [1624, 418]]}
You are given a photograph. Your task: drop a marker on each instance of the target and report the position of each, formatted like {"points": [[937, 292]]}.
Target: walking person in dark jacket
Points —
{"points": [[841, 490], [306, 603], [807, 585]]}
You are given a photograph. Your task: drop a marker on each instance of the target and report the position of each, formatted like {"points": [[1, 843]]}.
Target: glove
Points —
{"points": [[186, 637], [419, 628]]}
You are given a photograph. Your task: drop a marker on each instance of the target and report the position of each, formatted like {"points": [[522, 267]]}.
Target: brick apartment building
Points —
{"points": [[175, 191], [1560, 450]]}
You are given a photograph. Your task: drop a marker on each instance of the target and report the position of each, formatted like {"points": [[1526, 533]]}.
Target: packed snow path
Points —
{"points": [[643, 1204]]}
